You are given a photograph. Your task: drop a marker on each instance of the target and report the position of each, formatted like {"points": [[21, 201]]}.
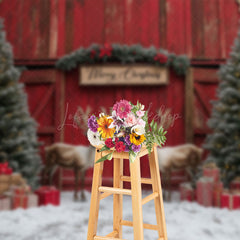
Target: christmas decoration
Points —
{"points": [[235, 184], [124, 54], [187, 192], [126, 130], [5, 203], [205, 191], [18, 140], [230, 200], [217, 192], [48, 195], [224, 142], [211, 170], [21, 197], [8, 179]]}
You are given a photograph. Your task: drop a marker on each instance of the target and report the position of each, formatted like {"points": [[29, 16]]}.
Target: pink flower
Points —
{"points": [[141, 122], [130, 120], [140, 113], [122, 108]]}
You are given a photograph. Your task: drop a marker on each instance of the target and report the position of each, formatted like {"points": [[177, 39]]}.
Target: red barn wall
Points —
{"points": [[49, 29], [43, 31]]}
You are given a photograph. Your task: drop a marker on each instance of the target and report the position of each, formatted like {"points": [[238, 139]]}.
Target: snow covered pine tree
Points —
{"points": [[18, 140], [224, 142]]}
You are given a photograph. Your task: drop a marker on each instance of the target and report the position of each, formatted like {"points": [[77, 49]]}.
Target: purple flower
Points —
{"points": [[92, 123], [127, 140], [136, 148], [126, 148]]}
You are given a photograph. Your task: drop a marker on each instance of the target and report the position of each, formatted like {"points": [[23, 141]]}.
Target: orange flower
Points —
{"points": [[104, 130]]}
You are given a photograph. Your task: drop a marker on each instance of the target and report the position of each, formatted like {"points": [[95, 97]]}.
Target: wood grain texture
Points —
{"points": [[158, 201], [136, 199], [49, 29], [95, 198], [117, 198]]}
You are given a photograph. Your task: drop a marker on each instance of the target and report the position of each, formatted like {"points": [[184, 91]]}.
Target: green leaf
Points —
{"points": [[132, 156], [155, 127], [151, 124], [104, 148], [106, 157]]}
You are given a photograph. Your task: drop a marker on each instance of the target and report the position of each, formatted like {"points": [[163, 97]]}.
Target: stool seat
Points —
{"points": [[100, 192]]}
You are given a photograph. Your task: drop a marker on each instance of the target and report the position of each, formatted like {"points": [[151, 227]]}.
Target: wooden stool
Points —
{"points": [[99, 192]]}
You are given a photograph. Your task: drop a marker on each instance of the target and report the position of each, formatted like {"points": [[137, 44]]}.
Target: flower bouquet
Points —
{"points": [[126, 130]]}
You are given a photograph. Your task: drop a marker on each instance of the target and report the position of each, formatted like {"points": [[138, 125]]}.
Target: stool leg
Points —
{"points": [[156, 186], [95, 198], [117, 198], [136, 199]]}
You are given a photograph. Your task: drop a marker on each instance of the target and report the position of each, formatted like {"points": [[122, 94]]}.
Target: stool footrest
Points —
{"points": [[104, 238], [115, 190], [150, 197], [143, 180], [145, 225]]}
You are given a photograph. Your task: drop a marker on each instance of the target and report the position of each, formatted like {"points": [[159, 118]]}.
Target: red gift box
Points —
{"points": [[19, 197], [19, 200], [230, 200], [48, 195], [187, 192], [211, 170], [217, 192], [235, 184], [5, 203], [205, 191]]}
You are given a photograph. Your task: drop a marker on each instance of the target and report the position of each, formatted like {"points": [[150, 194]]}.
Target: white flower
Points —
{"points": [[94, 138], [101, 114], [142, 107], [138, 129]]}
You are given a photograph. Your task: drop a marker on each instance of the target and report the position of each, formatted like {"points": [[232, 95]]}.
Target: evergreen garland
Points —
{"points": [[116, 53]]}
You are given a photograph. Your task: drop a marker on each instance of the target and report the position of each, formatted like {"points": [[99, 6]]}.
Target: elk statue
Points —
{"points": [[185, 156], [79, 158]]}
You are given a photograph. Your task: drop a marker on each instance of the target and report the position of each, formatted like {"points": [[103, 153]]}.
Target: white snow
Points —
{"points": [[188, 221]]}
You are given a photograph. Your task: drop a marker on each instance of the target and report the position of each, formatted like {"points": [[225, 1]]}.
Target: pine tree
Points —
{"points": [[224, 142], [18, 140]]}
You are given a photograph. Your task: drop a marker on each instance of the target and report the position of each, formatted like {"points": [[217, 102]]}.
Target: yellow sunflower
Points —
{"points": [[137, 139], [104, 130]]}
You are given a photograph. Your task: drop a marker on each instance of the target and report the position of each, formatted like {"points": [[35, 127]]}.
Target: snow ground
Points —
{"points": [[188, 221]]}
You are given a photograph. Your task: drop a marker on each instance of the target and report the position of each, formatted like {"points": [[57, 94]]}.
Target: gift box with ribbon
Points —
{"points": [[48, 195], [187, 193], [22, 197], [230, 200], [5, 177], [235, 184], [217, 192], [5, 203], [211, 170], [205, 191]]}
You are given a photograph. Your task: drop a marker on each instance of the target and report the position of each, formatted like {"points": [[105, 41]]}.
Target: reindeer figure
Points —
{"points": [[186, 156], [79, 158]]}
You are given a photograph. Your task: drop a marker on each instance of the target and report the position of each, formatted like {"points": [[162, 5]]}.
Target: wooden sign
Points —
{"points": [[123, 75]]}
